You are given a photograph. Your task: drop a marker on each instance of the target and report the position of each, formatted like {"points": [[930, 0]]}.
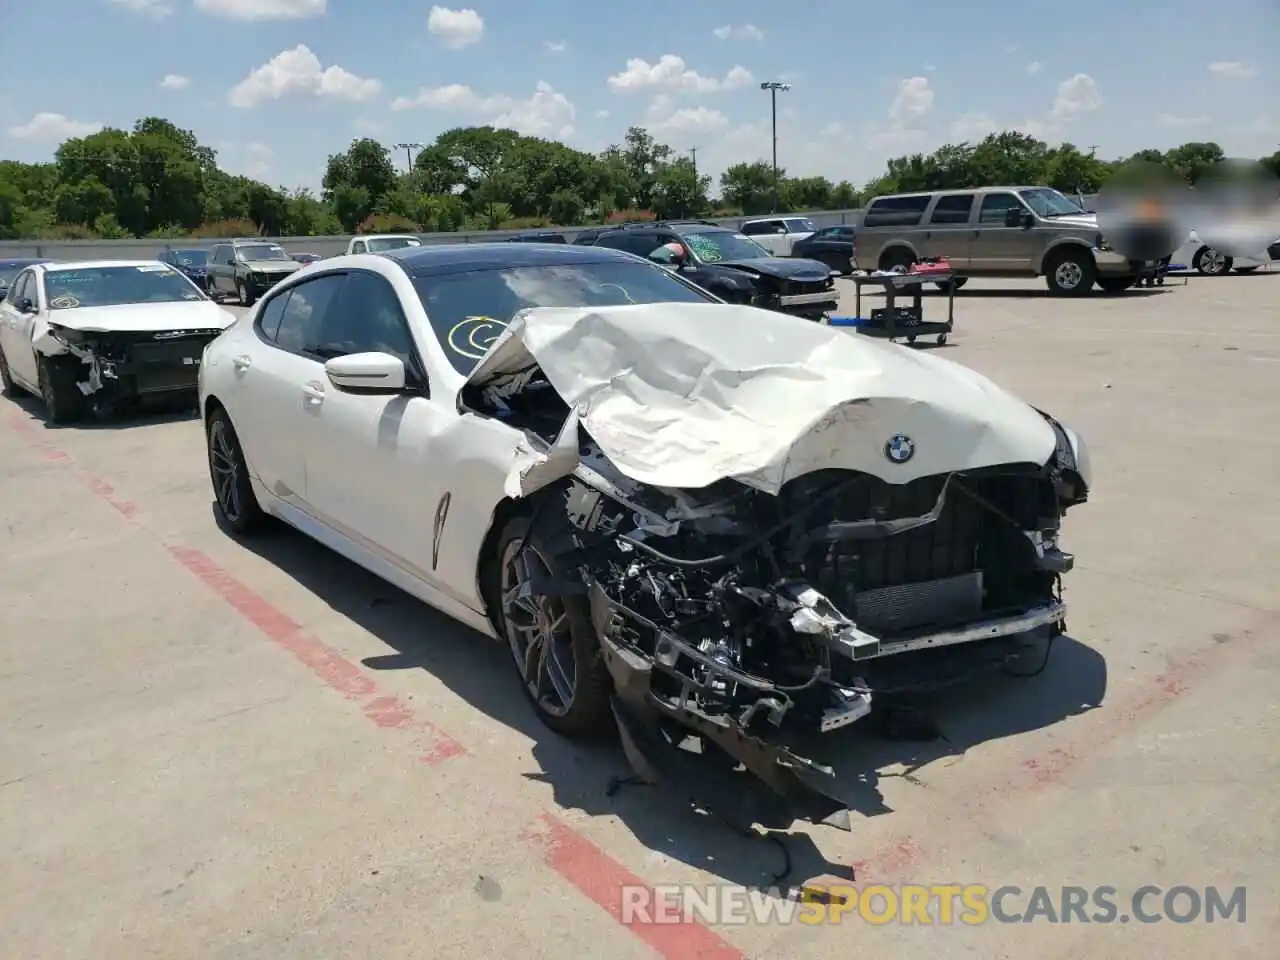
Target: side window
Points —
{"points": [[366, 318], [23, 287], [299, 326], [221, 254], [995, 205], [762, 227], [272, 311], [358, 247], [798, 226], [896, 211], [953, 208]]}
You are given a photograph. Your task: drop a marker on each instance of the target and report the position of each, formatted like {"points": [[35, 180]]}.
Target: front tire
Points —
{"points": [[234, 500], [553, 644], [1211, 263], [63, 401], [242, 292], [1070, 272], [955, 283]]}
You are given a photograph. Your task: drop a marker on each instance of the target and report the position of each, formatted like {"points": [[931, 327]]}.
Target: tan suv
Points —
{"points": [[995, 232]]}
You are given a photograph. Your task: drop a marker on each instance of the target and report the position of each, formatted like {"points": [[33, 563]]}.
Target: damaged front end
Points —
{"points": [[109, 368], [754, 622]]}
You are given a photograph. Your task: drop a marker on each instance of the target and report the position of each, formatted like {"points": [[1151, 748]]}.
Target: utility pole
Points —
{"points": [[1093, 148], [773, 86], [408, 149], [693, 153]]}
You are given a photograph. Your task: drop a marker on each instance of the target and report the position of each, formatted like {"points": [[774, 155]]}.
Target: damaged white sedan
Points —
{"points": [[716, 525], [101, 334]]}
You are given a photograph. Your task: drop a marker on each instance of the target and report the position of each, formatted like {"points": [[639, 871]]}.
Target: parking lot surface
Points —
{"points": [[210, 749]]}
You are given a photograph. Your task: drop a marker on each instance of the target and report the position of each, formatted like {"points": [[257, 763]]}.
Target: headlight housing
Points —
{"points": [[1072, 461]]}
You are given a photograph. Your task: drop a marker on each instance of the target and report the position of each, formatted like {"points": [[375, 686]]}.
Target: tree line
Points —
{"points": [[158, 180]]}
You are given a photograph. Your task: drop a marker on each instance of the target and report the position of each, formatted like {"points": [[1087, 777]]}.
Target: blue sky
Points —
{"points": [[277, 85]]}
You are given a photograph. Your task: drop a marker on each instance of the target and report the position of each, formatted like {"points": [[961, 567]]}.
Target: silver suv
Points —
{"points": [[996, 232]]}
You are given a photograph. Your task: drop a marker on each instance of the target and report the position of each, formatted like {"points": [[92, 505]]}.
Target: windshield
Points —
{"points": [[469, 310], [111, 286], [712, 246], [255, 252], [392, 243], [1050, 203], [191, 258]]}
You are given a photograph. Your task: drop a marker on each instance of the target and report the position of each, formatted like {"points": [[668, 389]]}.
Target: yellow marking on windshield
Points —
{"points": [[471, 337]]}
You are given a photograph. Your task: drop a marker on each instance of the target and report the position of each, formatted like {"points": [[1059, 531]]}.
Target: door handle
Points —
{"points": [[314, 392], [242, 362]]}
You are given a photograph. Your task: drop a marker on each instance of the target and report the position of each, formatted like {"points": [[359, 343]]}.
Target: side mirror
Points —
{"points": [[370, 372], [1013, 217]]}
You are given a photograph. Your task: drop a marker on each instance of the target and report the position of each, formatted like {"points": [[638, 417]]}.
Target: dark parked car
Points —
{"points": [[12, 267], [587, 238], [830, 245], [730, 265], [307, 257], [246, 269], [191, 261]]}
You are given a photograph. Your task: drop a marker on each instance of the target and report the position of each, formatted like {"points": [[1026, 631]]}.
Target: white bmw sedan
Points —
{"points": [[667, 506]]}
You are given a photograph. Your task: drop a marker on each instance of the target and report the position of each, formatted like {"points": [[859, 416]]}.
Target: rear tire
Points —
{"points": [[7, 387], [1210, 263], [63, 401], [234, 500], [897, 257], [567, 663], [1070, 272], [955, 283]]}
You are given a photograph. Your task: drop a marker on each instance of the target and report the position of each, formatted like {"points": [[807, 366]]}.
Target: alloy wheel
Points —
{"points": [[1068, 275], [538, 632], [224, 467]]}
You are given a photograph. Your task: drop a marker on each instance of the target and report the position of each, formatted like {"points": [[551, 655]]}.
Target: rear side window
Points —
{"points": [[953, 208], [896, 212], [272, 311], [299, 327], [763, 227], [358, 247], [640, 243]]}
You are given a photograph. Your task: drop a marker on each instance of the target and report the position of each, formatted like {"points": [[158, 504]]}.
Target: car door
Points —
{"points": [[273, 406], [220, 269], [371, 473], [994, 247], [948, 232], [21, 309]]}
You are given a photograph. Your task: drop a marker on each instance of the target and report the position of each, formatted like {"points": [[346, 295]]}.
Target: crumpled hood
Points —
{"points": [[682, 395], [786, 268], [145, 317]]}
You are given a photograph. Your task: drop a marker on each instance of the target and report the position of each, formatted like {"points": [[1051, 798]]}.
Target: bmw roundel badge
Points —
{"points": [[899, 449]]}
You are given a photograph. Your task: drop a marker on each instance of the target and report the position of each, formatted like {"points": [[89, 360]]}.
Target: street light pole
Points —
{"points": [[773, 86], [408, 149]]}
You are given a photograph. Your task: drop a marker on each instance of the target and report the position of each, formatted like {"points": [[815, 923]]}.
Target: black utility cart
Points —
{"points": [[895, 320]]}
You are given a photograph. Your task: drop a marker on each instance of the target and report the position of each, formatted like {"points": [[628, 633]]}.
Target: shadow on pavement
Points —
{"points": [[147, 414], [666, 817]]}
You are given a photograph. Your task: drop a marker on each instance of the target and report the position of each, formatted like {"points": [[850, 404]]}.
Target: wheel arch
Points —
{"points": [[487, 580], [1056, 249], [892, 251]]}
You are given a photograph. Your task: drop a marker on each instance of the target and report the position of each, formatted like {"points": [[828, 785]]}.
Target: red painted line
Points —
{"points": [[601, 879], [330, 666], [904, 853]]}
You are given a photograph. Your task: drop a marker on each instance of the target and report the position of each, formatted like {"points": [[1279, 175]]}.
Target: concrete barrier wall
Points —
{"points": [[324, 246]]}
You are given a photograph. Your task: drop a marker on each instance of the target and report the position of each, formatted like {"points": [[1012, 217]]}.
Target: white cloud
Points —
{"points": [[970, 127], [1034, 67], [662, 116], [157, 9], [1077, 96], [455, 28], [261, 10], [257, 161], [299, 72], [670, 74], [53, 127], [1233, 69], [547, 113], [602, 114], [556, 46], [1174, 120], [175, 81], [748, 31], [914, 101]]}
